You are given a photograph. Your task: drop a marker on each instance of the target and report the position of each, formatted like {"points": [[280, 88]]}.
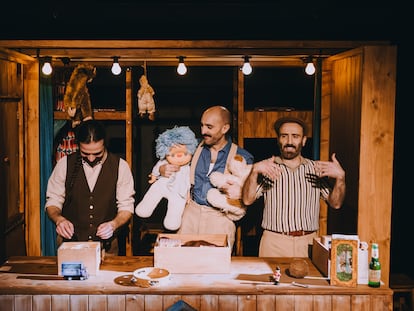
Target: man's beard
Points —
{"points": [[94, 162], [288, 155]]}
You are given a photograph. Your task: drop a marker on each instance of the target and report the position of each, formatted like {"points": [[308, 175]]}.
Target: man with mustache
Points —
{"points": [[292, 187], [199, 216], [90, 193]]}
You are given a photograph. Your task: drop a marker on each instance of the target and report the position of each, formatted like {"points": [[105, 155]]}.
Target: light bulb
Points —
{"points": [[310, 68], [247, 68], [181, 68], [116, 68], [47, 68]]}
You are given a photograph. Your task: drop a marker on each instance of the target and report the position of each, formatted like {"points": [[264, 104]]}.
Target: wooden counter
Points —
{"points": [[24, 285]]}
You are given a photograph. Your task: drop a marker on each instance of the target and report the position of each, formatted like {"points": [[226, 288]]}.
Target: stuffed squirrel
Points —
{"points": [[174, 146], [77, 102], [238, 172], [146, 103]]}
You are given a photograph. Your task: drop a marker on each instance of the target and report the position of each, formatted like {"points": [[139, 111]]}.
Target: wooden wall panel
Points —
{"points": [[326, 90], [266, 302], [341, 302], [259, 124], [247, 302], [322, 302], [32, 169], [201, 302], [44, 302], [285, 302], [60, 303], [79, 302], [209, 302], [98, 303], [134, 302], [153, 302], [304, 303], [23, 302], [227, 302], [116, 302], [377, 150], [345, 127], [362, 104]]}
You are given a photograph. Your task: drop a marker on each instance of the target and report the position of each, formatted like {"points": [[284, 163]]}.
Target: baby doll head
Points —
{"points": [[176, 145], [178, 155]]}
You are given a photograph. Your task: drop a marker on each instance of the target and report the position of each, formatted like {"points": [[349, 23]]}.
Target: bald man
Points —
{"points": [[199, 216]]}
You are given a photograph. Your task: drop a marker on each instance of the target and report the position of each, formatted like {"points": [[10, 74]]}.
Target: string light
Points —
{"points": [[310, 66], [181, 68], [247, 67], [47, 66], [116, 68]]}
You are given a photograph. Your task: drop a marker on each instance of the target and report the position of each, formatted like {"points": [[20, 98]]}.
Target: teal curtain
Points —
{"points": [[48, 229]]}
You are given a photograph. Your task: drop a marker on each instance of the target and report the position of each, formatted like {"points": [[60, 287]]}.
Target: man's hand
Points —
{"points": [[332, 169], [105, 230], [65, 228], [167, 170], [268, 168]]}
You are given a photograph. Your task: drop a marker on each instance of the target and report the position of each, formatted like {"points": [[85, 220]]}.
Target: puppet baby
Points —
{"points": [[238, 170], [174, 146]]}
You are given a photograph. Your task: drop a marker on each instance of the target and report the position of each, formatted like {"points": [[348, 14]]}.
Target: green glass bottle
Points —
{"points": [[374, 276]]}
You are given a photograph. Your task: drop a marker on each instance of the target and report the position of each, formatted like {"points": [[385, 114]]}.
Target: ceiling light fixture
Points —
{"points": [[181, 68], [47, 66], [310, 66], [116, 68], [65, 60], [247, 67]]}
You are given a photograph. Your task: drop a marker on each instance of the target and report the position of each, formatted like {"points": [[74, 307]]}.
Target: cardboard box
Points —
{"points": [[321, 257], [89, 253], [170, 254]]}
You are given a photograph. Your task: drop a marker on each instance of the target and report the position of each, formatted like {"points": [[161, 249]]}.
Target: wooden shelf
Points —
{"points": [[98, 115]]}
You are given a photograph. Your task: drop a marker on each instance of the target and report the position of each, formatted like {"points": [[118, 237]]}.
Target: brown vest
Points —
{"points": [[86, 209]]}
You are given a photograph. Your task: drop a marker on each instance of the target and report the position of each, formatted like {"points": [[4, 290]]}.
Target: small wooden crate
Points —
{"points": [[194, 259], [89, 253]]}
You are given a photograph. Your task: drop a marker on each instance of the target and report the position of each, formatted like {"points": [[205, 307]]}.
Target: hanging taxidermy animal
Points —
{"points": [[146, 103], [77, 101]]}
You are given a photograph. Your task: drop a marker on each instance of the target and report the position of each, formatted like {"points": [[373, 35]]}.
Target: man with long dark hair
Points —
{"points": [[90, 193]]}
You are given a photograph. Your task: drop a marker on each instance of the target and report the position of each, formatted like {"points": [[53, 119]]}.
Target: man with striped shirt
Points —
{"points": [[292, 187]]}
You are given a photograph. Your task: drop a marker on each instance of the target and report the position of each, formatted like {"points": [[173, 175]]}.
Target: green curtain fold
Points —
{"points": [[48, 229]]}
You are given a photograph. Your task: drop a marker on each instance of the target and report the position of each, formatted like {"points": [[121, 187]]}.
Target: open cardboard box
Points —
{"points": [[321, 257], [193, 259]]}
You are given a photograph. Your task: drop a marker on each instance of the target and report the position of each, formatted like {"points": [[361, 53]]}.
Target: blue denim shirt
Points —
{"points": [[201, 175]]}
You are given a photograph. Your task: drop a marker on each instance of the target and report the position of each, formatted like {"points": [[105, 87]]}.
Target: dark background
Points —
{"points": [[245, 20]]}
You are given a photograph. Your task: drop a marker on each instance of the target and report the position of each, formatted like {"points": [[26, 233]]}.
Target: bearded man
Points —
{"points": [[292, 187]]}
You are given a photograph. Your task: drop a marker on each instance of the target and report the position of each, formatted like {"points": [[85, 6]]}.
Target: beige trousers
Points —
{"points": [[274, 244], [201, 219]]}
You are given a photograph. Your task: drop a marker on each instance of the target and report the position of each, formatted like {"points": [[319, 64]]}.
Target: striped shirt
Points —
{"points": [[292, 202]]}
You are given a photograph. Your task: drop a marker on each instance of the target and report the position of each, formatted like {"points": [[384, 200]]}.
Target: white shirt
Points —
{"points": [[56, 191]]}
